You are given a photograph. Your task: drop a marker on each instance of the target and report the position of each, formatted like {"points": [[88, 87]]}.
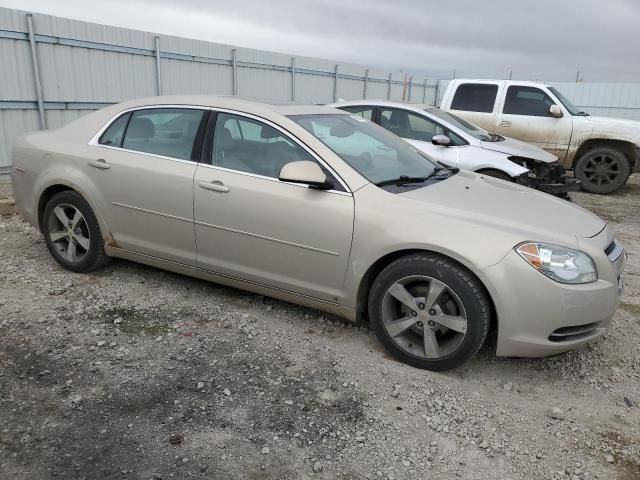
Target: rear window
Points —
{"points": [[475, 97]]}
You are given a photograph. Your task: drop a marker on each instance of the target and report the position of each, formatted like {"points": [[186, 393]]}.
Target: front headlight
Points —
{"points": [[561, 264]]}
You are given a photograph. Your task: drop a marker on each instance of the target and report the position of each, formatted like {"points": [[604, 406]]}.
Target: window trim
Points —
{"points": [[209, 139], [94, 141]]}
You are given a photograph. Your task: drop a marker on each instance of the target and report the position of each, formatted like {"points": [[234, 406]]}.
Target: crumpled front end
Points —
{"points": [[551, 178]]}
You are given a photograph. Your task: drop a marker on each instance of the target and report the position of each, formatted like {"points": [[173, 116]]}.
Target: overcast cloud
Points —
{"points": [[537, 40]]}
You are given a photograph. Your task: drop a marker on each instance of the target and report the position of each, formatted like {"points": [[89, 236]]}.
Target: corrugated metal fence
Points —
{"points": [[620, 100], [53, 70]]}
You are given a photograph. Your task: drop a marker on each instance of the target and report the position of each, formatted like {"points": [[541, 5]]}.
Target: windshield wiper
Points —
{"points": [[583, 114], [401, 180]]}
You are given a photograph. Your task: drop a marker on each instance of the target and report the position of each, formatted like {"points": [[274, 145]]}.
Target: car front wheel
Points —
{"points": [[429, 311], [602, 170], [72, 233]]}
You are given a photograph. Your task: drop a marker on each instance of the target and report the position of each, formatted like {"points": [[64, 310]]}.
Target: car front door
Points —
{"points": [[252, 226], [419, 130], [525, 115], [141, 171]]}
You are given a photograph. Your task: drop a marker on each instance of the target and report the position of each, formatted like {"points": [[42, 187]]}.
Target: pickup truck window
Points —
{"points": [[527, 101], [475, 97]]}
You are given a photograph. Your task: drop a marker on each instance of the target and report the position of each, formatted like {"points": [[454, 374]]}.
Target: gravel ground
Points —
{"points": [[135, 373]]}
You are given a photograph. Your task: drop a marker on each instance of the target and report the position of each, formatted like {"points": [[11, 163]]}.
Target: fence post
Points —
{"points": [[234, 73], [293, 79], [436, 93], [335, 83], [36, 71], [158, 71], [404, 88], [424, 93], [366, 80], [410, 85], [389, 87]]}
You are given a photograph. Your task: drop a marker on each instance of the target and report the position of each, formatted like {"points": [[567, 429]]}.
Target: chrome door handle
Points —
{"points": [[216, 186], [505, 123], [100, 163]]}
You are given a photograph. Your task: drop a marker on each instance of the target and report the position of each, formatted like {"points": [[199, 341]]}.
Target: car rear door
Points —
{"points": [[525, 115], [141, 171], [252, 226]]}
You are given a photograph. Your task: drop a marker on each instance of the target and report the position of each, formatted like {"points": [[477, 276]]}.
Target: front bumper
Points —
{"points": [[538, 316]]}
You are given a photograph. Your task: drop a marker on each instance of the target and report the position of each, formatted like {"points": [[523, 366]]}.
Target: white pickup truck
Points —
{"points": [[601, 151]]}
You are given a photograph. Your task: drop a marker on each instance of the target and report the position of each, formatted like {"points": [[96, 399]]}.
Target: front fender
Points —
{"points": [[483, 159]]}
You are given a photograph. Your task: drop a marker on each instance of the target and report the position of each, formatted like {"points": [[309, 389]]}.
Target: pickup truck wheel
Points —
{"points": [[602, 170], [496, 174], [429, 312]]}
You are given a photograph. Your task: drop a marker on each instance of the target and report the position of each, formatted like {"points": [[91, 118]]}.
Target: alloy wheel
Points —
{"points": [[424, 317], [69, 233], [601, 170]]}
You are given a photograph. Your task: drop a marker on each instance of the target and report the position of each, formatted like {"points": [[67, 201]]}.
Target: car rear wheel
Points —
{"points": [[429, 311], [602, 170], [72, 233]]}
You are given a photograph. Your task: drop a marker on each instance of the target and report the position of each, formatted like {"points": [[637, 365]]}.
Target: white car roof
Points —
{"points": [[419, 108]]}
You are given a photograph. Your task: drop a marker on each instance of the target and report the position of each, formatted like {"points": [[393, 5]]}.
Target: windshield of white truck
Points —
{"points": [[462, 124], [573, 110]]}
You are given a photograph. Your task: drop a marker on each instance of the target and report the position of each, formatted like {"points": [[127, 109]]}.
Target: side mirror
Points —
{"points": [[555, 111], [441, 140], [306, 173]]}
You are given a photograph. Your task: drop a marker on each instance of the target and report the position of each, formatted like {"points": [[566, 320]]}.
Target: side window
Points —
{"points": [[409, 125], [170, 132], [396, 121], [261, 149], [113, 135], [364, 112], [475, 97], [527, 101]]}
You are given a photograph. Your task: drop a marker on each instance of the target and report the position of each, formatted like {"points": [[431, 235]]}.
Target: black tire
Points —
{"points": [[598, 181], [464, 284], [95, 256], [490, 172]]}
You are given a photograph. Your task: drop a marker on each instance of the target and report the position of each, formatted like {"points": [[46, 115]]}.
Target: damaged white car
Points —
{"points": [[455, 142]]}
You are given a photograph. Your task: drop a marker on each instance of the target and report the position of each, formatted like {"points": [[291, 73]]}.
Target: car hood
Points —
{"points": [[620, 128], [511, 146], [531, 214]]}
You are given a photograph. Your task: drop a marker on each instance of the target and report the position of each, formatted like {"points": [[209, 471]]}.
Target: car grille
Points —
{"points": [[567, 334]]}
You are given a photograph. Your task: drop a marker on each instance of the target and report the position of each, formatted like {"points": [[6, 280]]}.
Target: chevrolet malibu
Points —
{"points": [[323, 208]]}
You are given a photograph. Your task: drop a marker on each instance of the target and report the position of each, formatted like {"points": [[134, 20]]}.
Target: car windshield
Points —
{"points": [[372, 151], [573, 110], [460, 123]]}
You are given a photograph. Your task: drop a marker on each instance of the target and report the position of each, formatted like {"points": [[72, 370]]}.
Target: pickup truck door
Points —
{"points": [[525, 115]]}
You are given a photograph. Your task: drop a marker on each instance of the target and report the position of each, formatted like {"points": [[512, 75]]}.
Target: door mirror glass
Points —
{"points": [[555, 111], [307, 173], [442, 140]]}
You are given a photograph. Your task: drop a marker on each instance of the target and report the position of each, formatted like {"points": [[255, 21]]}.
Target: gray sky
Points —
{"points": [[537, 40]]}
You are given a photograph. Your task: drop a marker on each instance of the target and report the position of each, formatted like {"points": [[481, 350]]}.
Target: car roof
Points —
{"points": [[416, 107], [217, 101]]}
